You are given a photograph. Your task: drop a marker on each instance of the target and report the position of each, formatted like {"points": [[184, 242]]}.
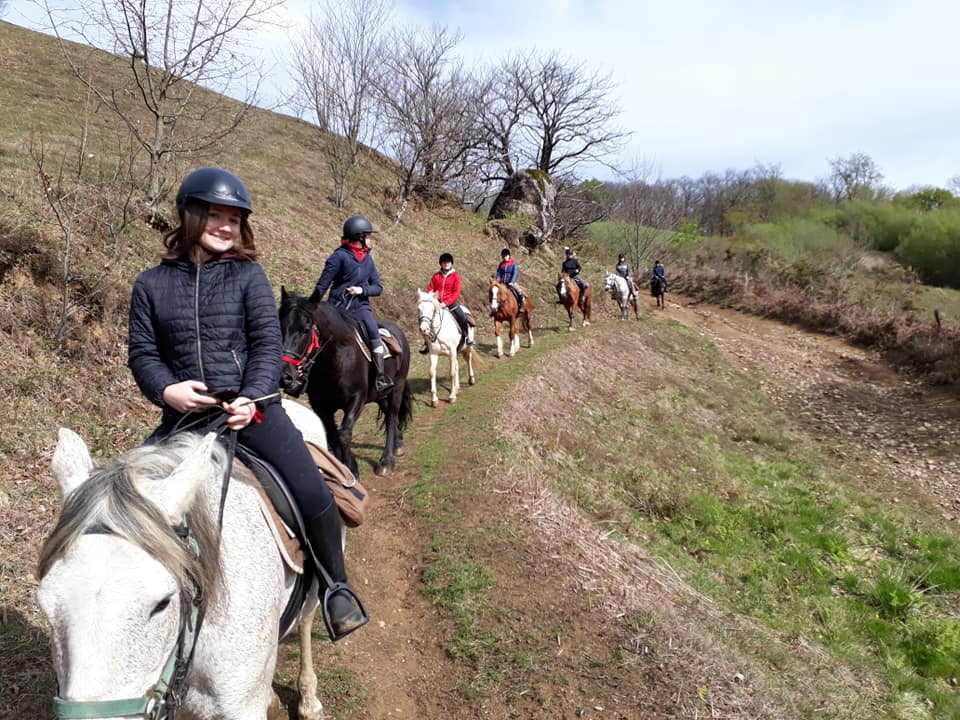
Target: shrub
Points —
{"points": [[933, 247], [880, 226]]}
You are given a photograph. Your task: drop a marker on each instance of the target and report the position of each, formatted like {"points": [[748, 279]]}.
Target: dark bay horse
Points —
{"points": [[658, 288], [570, 298], [321, 350], [504, 308]]}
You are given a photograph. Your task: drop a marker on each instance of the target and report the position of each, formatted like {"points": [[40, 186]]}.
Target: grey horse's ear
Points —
{"points": [[175, 493], [71, 462]]}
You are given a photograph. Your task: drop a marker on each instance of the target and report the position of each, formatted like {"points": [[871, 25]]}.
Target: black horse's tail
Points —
{"points": [[406, 407]]}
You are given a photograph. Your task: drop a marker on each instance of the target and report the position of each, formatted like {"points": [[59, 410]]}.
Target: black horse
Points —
{"points": [[321, 350], [658, 288]]}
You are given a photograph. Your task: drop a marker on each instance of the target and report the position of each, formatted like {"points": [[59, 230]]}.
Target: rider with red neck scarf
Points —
{"points": [[351, 276]]}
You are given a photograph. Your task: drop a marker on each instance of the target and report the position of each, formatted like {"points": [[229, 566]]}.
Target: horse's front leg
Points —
{"points": [[390, 407], [570, 318], [514, 336], [309, 707], [497, 329], [434, 400], [345, 432], [454, 376]]}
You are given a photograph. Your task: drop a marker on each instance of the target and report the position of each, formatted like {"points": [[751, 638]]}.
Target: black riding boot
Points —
{"points": [[382, 383], [342, 610], [425, 350]]}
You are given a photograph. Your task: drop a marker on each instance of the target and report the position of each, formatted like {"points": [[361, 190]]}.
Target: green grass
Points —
{"points": [[767, 528]]}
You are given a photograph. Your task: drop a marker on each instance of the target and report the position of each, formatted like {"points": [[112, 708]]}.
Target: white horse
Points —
{"points": [[619, 289], [442, 334], [136, 554]]}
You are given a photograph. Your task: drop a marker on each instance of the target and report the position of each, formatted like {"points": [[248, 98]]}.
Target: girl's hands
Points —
{"points": [[188, 396], [240, 412], [191, 396]]}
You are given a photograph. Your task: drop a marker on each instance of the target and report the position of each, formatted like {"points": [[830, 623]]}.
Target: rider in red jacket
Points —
{"points": [[446, 283]]}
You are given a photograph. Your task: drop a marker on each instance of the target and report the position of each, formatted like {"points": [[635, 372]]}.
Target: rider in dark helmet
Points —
{"points": [[215, 186], [204, 345], [351, 276], [446, 284], [508, 273], [571, 266], [623, 270]]}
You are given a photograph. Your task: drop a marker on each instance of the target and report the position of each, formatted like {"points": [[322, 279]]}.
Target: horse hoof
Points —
{"points": [[472, 381], [381, 470], [435, 403]]}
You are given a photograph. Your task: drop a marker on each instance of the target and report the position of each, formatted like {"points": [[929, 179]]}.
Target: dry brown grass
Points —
{"points": [[913, 344]]}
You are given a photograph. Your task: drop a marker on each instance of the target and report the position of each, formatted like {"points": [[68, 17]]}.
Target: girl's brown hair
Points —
{"points": [[184, 240]]}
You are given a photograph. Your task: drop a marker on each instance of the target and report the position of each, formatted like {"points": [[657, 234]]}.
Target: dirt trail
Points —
{"points": [[897, 435]]}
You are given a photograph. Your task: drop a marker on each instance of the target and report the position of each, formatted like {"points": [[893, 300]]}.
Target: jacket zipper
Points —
{"points": [[236, 361], [196, 319]]}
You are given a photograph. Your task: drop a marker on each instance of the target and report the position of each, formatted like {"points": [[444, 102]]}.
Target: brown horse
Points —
{"points": [[570, 298], [504, 309]]}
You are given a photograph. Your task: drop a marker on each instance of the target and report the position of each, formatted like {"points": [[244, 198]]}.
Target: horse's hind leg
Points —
{"points": [[309, 707], [454, 377]]}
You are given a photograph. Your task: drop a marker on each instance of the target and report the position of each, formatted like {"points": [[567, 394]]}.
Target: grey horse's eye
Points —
{"points": [[160, 607]]}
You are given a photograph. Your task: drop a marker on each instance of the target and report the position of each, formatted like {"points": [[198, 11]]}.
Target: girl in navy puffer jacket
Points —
{"points": [[204, 333]]}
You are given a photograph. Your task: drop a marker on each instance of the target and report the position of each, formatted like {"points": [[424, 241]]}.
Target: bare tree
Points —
{"points": [[854, 177], [568, 115], [337, 60], [82, 201], [500, 106], [953, 185], [171, 47], [428, 127]]}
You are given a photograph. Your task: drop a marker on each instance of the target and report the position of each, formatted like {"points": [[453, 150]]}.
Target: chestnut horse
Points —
{"points": [[570, 298], [504, 309]]}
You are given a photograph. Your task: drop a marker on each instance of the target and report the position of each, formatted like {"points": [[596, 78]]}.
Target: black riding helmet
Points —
{"points": [[216, 186], [505, 252], [621, 256], [356, 227], [568, 251], [446, 257]]}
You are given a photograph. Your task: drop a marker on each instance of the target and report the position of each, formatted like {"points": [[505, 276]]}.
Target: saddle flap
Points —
{"points": [[391, 342], [285, 538]]}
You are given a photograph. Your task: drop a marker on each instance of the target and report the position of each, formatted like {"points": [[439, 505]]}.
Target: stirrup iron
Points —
{"points": [[331, 590]]}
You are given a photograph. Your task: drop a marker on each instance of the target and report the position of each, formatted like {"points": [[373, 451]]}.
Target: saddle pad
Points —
{"points": [[391, 342], [286, 541]]}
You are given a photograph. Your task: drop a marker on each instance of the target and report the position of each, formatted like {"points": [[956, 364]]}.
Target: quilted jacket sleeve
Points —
{"points": [[149, 370], [262, 372]]}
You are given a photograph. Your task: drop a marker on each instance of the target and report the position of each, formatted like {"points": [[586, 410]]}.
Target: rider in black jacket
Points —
{"points": [[204, 342]]}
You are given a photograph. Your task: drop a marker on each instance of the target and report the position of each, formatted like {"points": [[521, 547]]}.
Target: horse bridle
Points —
{"points": [[436, 311], [161, 701], [303, 361]]}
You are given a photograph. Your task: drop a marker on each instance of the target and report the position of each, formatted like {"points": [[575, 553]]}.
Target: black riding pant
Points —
{"points": [[276, 440]]}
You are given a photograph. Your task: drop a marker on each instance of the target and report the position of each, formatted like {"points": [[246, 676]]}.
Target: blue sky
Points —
{"points": [[708, 85]]}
